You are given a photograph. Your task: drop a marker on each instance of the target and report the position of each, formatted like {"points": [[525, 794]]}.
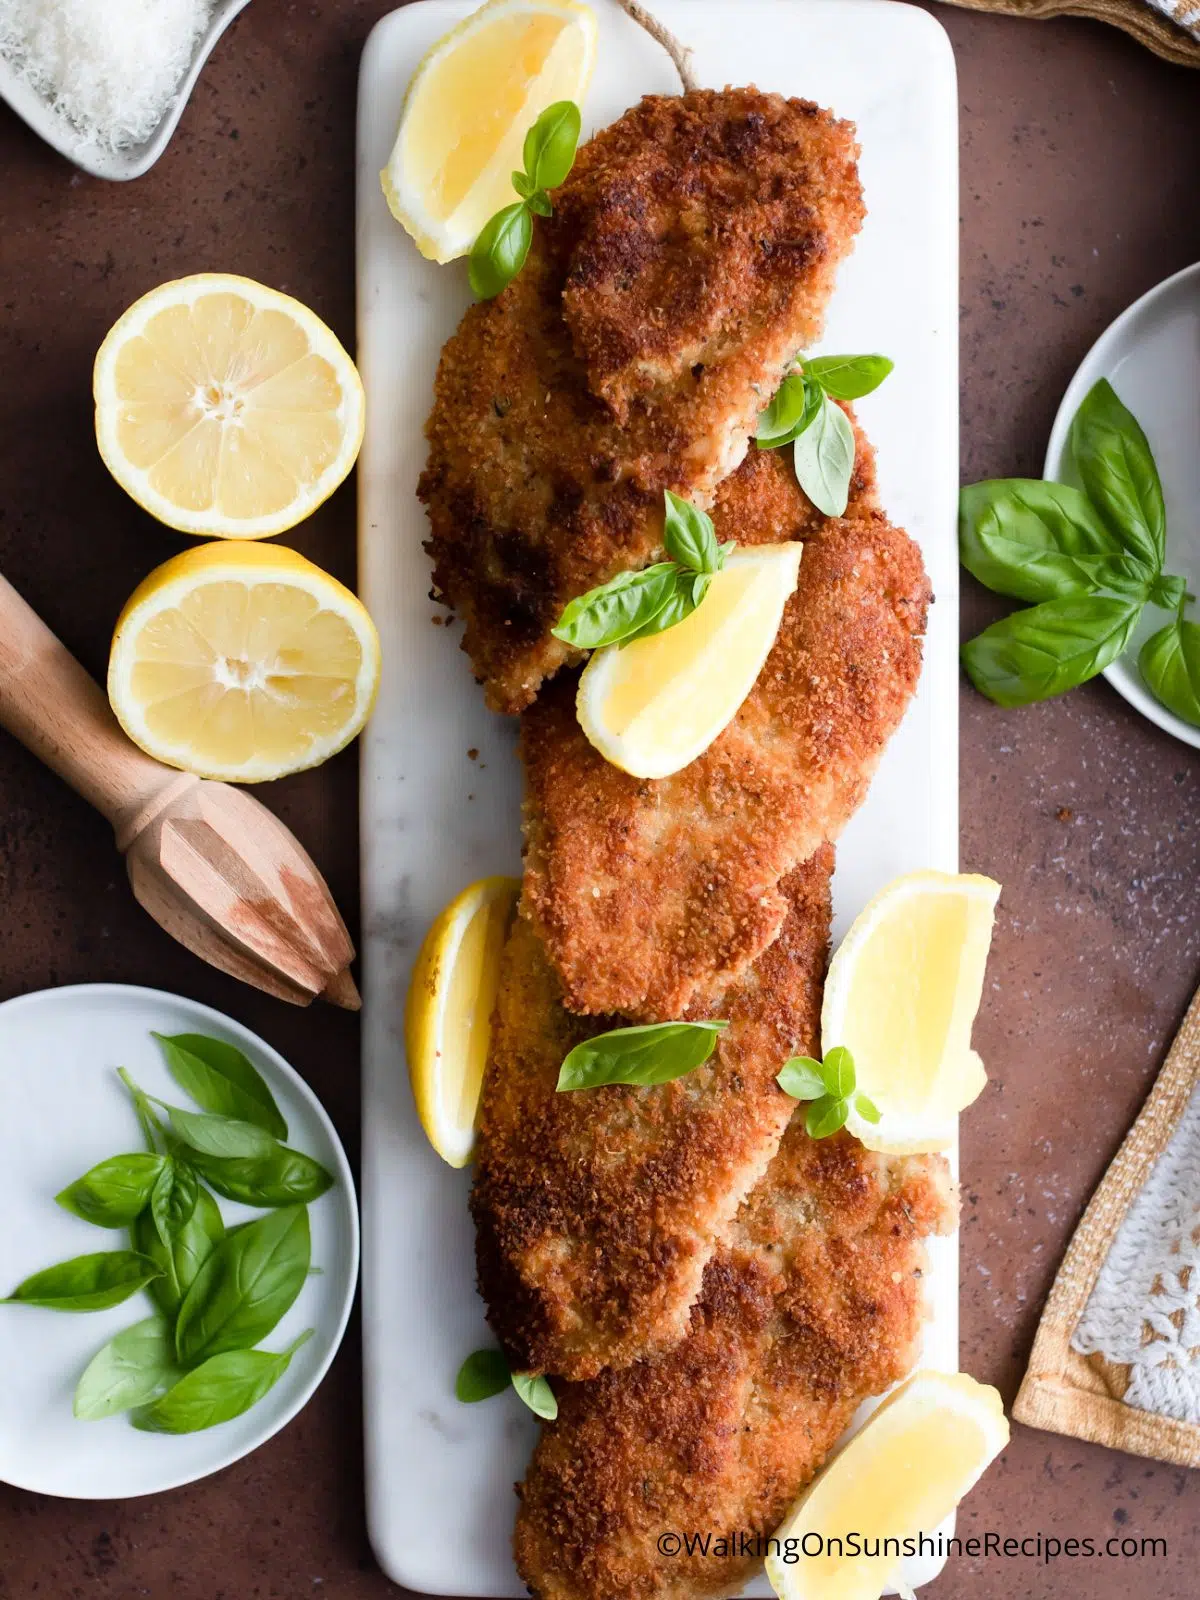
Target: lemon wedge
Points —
{"points": [[470, 104], [653, 706], [242, 661], [901, 995], [448, 1019], [901, 1475], [225, 408]]}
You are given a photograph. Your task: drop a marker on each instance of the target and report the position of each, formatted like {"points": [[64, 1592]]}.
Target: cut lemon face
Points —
{"points": [[448, 1020], [902, 1475], [468, 108], [658, 703], [243, 662], [902, 994], [226, 408]]}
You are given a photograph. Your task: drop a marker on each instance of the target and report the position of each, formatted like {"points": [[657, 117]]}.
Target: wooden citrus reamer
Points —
{"points": [[209, 863]]}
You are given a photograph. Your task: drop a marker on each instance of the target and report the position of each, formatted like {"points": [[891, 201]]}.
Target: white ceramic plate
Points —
{"points": [[441, 781], [63, 1109], [1151, 356]]}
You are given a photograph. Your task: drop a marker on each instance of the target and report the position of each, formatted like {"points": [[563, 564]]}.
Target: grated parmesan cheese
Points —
{"points": [[109, 68]]}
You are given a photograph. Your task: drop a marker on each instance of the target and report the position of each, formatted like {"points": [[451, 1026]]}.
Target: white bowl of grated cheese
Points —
{"points": [[106, 83]]}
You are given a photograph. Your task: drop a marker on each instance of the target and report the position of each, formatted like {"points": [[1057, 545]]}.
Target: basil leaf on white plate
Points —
{"points": [[248, 1282], [1170, 664], [174, 1199], [129, 1371], [86, 1283], [642, 1056], [824, 458], [848, 377], [221, 1388], [221, 1079], [219, 1136], [1049, 648], [188, 1250], [1116, 467], [115, 1192], [483, 1374]]}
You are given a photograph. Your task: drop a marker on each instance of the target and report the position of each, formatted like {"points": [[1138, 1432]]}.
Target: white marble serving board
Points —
{"points": [[441, 784]]}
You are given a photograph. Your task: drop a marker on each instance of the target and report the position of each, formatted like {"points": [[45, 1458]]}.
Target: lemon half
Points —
{"points": [[448, 1019], [470, 104], [655, 705], [913, 1461], [226, 408], [902, 994], [242, 661]]}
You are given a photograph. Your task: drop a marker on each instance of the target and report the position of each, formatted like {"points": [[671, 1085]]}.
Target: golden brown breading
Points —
{"points": [[597, 1210], [697, 241], [648, 893], [815, 1304]]}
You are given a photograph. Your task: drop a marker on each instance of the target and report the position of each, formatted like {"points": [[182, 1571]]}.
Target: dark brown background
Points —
{"points": [[1079, 191]]}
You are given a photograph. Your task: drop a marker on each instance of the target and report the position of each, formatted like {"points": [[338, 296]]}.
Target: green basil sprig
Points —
{"points": [[86, 1283], [219, 1389], [116, 1192], [643, 1056], [1170, 664], [635, 605], [499, 252], [1090, 558], [129, 1371], [830, 1086], [803, 413], [486, 1373]]}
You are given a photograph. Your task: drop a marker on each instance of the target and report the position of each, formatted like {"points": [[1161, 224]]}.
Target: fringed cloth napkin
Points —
{"points": [[1171, 28], [1117, 1354]]}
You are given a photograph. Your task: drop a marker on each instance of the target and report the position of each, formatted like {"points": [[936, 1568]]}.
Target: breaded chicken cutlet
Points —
{"points": [[597, 1210], [649, 894], [690, 256], [813, 1305]]}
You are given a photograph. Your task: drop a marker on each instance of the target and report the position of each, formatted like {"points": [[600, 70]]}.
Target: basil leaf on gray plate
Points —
{"points": [[688, 536], [1170, 664], [824, 458], [848, 377], [86, 1283], [1117, 470], [796, 403], [802, 1078], [246, 1285], [500, 250], [114, 1192], [536, 1393], [1042, 541], [219, 1389], [181, 1260], [826, 1116], [129, 1371], [220, 1078], [615, 610], [1050, 648], [174, 1198], [284, 1177], [650, 1054], [549, 151], [219, 1136], [483, 1374]]}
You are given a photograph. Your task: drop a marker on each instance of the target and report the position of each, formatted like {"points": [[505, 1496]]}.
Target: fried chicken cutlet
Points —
{"points": [[650, 893], [597, 1210], [690, 256], [813, 1305]]}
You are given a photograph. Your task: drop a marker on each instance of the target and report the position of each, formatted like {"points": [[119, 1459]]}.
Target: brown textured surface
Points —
{"points": [[1079, 192]]}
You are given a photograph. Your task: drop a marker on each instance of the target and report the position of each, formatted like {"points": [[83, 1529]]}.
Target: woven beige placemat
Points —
{"points": [[1137, 17], [1067, 1392]]}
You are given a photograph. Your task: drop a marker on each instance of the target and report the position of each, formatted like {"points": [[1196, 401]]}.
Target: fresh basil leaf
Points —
{"points": [[848, 377], [116, 1191], [188, 1250], [285, 1177], [129, 1371], [220, 1136], [221, 1079], [802, 1078], [1170, 664], [1041, 541], [86, 1283], [539, 203], [643, 1056], [824, 459], [536, 1393], [796, 403], [523, 185], [617, 609], [1169, 593], [174, 1199], [826, 1116], [867, 1109], [246, 1285], [837, 1070], [724, 551], [688, 535], [500, 250], [1116, 467], [1050, 648], [683, 601], [550, 145], [483, 1374], [219, 1389]]}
